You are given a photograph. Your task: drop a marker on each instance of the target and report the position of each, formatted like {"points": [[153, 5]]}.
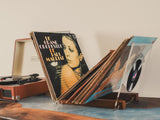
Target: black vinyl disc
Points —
{"points": [[134, 75]]}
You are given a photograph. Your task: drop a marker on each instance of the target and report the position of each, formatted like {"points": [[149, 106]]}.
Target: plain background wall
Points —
{"points": [[100, 25]]}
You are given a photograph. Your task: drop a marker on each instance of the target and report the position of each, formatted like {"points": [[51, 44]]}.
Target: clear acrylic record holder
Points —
{"points": [[126, 75], [134, 68]]}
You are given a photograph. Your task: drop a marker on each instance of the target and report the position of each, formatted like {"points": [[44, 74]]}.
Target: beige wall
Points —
{"points": [[100, 25]]}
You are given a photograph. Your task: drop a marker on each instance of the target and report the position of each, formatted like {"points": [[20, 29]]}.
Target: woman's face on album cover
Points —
{"points": [[71, 52]]}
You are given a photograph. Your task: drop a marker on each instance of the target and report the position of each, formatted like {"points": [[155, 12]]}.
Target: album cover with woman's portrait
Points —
{"points": [[62, 60]]}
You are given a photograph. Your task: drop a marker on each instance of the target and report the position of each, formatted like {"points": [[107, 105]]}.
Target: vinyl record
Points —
{"points": [[134, 75]]}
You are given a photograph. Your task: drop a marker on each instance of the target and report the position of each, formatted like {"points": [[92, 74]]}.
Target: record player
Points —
{"points": [[23, 83]]}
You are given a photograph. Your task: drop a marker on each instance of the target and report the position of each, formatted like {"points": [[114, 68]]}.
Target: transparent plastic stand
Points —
{"points": [[139, 53], [123, 74]]}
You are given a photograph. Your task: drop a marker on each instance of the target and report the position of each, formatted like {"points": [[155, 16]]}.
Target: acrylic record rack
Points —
{"points": [[138, 52], [125, 90]]}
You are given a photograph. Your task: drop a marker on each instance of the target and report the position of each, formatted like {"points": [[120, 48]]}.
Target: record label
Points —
{"points": [[134, 75]]}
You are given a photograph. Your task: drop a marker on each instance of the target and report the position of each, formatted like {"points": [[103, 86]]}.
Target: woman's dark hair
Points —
{"points": [[84, 67], [74, 40]]}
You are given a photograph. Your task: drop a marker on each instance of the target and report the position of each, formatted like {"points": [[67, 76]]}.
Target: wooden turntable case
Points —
{"points": [[25, 62]]}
